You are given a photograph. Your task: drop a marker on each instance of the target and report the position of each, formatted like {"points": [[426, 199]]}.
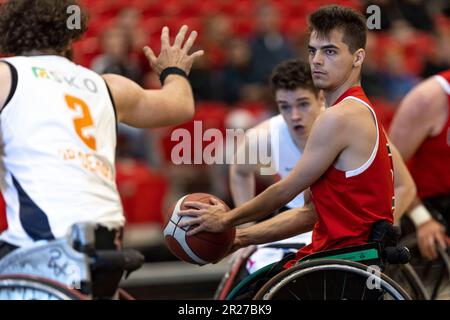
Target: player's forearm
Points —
{"points": [[404, 196], [266, 202], [242, 186], [284, 225], [179, 105], [404, 186]]}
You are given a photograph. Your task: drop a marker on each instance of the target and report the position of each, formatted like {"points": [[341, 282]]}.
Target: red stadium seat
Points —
{"points": [[208, 8], [295, 26], [212, 116], [101, 8], [86, 50], [244, 26], [258, 109], [98, 25], [142, 192], [153, 25]]}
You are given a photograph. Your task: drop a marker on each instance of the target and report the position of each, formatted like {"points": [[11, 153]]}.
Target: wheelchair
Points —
{"points": [[67, 269], [351, 273], [237, 270], [424, 279], [431, 278]]}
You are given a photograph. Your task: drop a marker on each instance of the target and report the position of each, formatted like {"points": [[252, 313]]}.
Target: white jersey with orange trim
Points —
{"points": [[58, 140]]}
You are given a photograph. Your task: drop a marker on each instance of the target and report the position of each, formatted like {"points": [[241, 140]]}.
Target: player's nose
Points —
{"points": [[296, 114], [317, 59]]}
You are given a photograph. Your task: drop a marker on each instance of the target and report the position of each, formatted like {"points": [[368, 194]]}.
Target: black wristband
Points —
{"points": [[171, 70]]}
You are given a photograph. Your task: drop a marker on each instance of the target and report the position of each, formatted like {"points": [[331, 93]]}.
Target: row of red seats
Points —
{"points": [[142, 191], [240, 25], [211, 115], [89, 46], [188, 8]]}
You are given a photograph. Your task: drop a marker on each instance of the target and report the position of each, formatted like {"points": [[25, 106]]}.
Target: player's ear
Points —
{"points": [[359, 56]]}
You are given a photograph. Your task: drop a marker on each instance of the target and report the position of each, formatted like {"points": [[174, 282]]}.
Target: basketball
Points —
{"points": [[201, 248]]}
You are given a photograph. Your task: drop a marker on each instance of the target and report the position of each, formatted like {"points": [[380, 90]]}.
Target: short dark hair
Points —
{"points": [[292, 74], [27, 25], [350, 21]]}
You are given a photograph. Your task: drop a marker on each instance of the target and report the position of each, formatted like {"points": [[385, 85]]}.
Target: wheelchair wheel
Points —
{"points": [[409, 280], [23, 287], [435, 274], [328, 279], [234, 274]]}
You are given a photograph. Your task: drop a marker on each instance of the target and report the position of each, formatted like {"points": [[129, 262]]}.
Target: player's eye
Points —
{"points": [[304, 105]]}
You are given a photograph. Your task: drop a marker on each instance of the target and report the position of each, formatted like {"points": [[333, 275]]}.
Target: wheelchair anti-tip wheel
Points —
{"points": [[328, 279]]}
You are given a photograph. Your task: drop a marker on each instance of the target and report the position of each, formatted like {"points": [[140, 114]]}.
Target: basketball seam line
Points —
{"points": [[197, 236]]}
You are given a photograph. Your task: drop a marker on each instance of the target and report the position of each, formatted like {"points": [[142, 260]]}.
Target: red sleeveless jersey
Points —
{"points": [[430, 164], [349, 202]]}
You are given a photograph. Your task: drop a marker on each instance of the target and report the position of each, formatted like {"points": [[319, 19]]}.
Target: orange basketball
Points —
{"points": [[201, 248]]}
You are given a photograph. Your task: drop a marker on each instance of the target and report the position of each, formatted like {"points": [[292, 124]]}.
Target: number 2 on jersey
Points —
{"points": [[82, 122]]}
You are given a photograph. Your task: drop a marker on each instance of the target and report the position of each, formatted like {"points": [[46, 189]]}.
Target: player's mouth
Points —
{"points": [[318, 73], [299, 128]]}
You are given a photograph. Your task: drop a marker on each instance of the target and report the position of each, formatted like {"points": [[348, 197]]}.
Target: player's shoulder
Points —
{"points": [[118, 84], [337, 112], [4, 69], [425, 96], [332, 120], [351, 112], [347, 106], [426, 90], [5, 83]]}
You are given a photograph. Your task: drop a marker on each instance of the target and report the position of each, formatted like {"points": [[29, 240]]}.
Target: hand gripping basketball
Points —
{"points": [[202, 247]]}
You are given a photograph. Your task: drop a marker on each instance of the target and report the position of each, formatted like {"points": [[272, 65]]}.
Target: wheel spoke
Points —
{"points": [[293, 294], [343, 286], [307, 288], [364, 292]]}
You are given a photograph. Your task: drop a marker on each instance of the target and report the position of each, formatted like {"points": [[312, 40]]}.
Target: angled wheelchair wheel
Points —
{"points": [[409, 280], [328, 279], [234, 274], [435, 274], [23, 287]]}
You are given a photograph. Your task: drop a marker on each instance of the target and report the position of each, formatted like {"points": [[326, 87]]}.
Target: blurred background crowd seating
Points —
{"points": [[243, 40]]}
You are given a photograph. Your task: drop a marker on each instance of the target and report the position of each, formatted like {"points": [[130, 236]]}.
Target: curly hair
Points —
{"points": [[352, 22], [292, 74], [27, 25]]}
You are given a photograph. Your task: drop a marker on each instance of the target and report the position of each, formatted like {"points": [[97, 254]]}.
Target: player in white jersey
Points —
{"points": [[58, 122], [299, 104]]}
